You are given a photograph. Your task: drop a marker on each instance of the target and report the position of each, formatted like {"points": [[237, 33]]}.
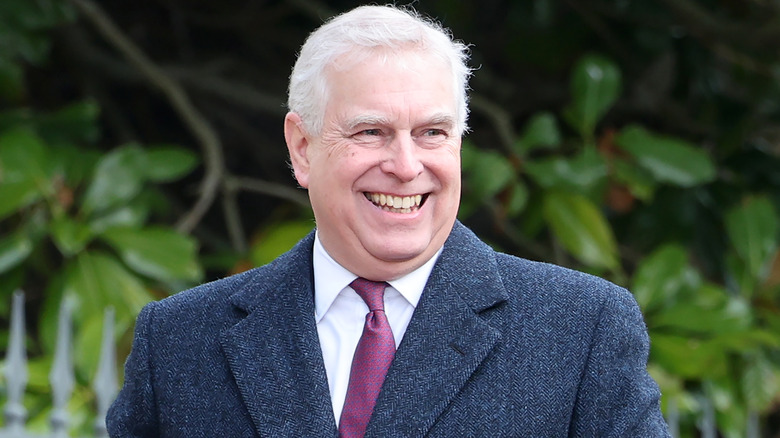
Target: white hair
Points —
{"points": [[360, 32]]}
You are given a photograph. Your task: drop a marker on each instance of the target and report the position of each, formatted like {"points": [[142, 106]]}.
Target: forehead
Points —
{"points": [[391, 80], [402, 55]]}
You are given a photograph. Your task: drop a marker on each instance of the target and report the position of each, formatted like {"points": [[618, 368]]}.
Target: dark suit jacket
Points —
{"points": [[498, 346]]}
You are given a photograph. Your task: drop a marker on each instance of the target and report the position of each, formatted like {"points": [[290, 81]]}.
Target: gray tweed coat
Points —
{"points": [[498, 346]]}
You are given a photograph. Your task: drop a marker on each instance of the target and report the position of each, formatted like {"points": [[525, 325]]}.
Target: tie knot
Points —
{"points": [[372, 292]]}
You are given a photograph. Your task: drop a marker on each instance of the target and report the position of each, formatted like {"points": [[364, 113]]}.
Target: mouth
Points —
{"points": [[396, 204]]}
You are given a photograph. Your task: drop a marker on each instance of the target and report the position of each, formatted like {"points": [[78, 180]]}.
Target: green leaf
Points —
{"points": [[70, 236], [688, 358], [48, 312], [753, 229], [640, 181], [14, 250], [730, 317], [585, 173], [16, 195], [76, 163], [38, 374], [159, 253], [739, 277], [86, 349], [669, 160], [748, 341], [663, 276], [24, 157], [595, 85], [97, 280], [489, 172], [582, 229], [760, 382], [169, 163], [118, 178], [131, 215], [518, 198], [278, 239], [25, 170], [73, 124], [540, 132]]}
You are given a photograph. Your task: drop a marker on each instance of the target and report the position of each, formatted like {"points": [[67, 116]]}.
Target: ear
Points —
{"points": [[297, 144]]}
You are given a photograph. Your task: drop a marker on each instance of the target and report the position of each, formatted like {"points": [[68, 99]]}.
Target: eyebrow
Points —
{"points": [[367, 119], [441, 119], [371, 120]]}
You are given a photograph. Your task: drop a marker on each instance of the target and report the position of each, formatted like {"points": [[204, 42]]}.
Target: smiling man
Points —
{"points": [[391, 319], [383, 172]]}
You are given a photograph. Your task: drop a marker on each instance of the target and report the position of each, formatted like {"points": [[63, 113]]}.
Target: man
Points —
{"points": [[392, 319]]}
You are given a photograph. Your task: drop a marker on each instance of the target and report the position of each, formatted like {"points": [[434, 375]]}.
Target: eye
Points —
{"points": [[434, 132], [370, 132], [369, 137]]}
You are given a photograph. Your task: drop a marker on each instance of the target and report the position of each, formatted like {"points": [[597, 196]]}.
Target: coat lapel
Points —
{"points": [[274, 351], [447, 338]]}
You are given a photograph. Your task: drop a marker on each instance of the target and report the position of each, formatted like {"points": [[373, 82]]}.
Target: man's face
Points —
{"points": [[384, 173]]}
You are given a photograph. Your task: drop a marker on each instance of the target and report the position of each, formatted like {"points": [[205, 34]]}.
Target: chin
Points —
{"points": [[403, 254]]}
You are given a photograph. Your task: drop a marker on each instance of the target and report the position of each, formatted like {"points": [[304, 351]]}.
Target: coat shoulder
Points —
{"points": [[540, 286], [549, 281]]}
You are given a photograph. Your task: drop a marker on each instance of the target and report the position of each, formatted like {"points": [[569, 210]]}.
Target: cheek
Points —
{"points": [[446, 167], [326, 159], [338, 170]]}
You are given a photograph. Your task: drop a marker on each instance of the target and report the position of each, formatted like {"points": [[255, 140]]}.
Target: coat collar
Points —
{"points": [[447, 338], [274, 351], [275, 356]]}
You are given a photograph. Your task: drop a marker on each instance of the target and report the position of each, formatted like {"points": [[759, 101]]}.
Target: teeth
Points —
{"points": [[396, 204]]}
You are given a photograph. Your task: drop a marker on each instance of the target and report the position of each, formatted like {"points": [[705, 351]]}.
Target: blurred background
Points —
{"points": [[141, 152]]}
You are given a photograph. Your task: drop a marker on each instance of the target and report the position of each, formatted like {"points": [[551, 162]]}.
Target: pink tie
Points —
{"points": [[373, 355]]}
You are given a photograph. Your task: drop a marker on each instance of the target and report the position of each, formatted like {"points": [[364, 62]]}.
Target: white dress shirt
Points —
{"points": [[340, 315]]}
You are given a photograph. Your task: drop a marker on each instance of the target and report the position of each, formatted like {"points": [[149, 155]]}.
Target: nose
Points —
{"points": [[402, 158]]}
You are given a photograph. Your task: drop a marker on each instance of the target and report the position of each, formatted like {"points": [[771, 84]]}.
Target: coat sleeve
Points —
{"points": [[134, 412], [616, 396]]}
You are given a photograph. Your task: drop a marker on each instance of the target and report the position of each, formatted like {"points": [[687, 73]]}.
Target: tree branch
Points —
{"points": [[233, 219], [499, 117], [269, 188], [235, 92], [177, 97], [707, 25], [195, 79]]}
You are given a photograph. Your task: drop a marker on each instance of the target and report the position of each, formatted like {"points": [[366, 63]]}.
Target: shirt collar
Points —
{"points": [[330, 278]]}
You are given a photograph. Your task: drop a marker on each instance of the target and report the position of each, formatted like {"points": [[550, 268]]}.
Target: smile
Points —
{"points": [[396, 204]]}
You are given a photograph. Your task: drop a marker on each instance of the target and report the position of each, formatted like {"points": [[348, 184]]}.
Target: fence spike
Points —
{"points": [[105, 384], [61, 375], [673, 418], [16, 368], [753, 428], [707, 423]]}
